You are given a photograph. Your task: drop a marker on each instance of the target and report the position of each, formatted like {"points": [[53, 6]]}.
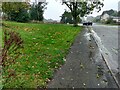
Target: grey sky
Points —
{"points": [[55, 8], [108, 4]]}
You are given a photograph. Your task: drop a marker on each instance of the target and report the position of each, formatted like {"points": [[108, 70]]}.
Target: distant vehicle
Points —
{"points": [[87, 23]]}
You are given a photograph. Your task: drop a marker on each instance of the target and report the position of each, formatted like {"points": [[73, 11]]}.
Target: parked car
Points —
{"points": [[87, 23]]}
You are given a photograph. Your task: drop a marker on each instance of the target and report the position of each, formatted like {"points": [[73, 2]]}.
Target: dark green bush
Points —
{"points": [[21, 16]]}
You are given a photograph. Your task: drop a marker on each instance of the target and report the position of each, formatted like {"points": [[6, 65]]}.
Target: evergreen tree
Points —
{"points": [[37, 11]]}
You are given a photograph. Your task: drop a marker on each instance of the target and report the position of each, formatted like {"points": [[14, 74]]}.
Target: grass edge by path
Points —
{"points": [[58, 25]]}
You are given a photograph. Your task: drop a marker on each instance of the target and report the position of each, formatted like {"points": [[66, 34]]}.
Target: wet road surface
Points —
{"points": [[109, 39], [84, 66]]}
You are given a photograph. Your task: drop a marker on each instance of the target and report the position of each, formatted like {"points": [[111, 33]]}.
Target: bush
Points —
{"points": [[10, 51], [16, 11], [21, 16], [109, 21]]}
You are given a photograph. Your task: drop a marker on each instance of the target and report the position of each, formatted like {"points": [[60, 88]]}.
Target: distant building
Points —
{"points": [[109, 14], [115, 19], [50, 21], [105, 17], [83, 19], [90, 18], [119, 6]]}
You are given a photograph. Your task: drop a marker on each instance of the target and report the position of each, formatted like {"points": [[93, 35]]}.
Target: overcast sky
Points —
{"points": [[55, 8]]}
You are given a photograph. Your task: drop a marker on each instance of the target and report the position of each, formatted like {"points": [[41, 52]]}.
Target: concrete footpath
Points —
{"points": [[84, 66]]}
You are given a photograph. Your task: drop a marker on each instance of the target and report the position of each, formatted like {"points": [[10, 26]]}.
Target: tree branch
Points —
{"points": [[68, 5]]}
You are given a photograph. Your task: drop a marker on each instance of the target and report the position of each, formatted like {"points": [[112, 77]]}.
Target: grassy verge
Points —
{"points": [[109, 24], [45, 46], [112, 24]]}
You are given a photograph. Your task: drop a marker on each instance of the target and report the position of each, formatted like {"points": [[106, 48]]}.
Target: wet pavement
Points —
{"points": [[84, 66], [109, 39]]}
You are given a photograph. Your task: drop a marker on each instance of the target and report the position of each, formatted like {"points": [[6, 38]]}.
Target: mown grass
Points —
{"points": [[45, 46]]}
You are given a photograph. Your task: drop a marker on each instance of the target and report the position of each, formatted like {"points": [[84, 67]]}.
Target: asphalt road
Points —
{"points": [[108, 35], [109, 38]]}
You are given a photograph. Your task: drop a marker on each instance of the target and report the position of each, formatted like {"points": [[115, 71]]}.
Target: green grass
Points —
{"points": [[0, 36], [45, 46], [0, 54]]}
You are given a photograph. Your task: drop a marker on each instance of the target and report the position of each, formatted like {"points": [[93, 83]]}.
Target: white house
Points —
{"points": [[116, 19], [105, 17]]}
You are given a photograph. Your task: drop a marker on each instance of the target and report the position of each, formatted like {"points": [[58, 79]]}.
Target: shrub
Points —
{"points": [[10, 51], [21, 16]]}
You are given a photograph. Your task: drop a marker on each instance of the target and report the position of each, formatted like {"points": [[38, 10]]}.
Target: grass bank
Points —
{"points": [[45, 46]]}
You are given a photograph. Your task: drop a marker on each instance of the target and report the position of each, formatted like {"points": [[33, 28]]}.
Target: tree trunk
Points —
{"points": [[75, 21], [75, 14]]}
